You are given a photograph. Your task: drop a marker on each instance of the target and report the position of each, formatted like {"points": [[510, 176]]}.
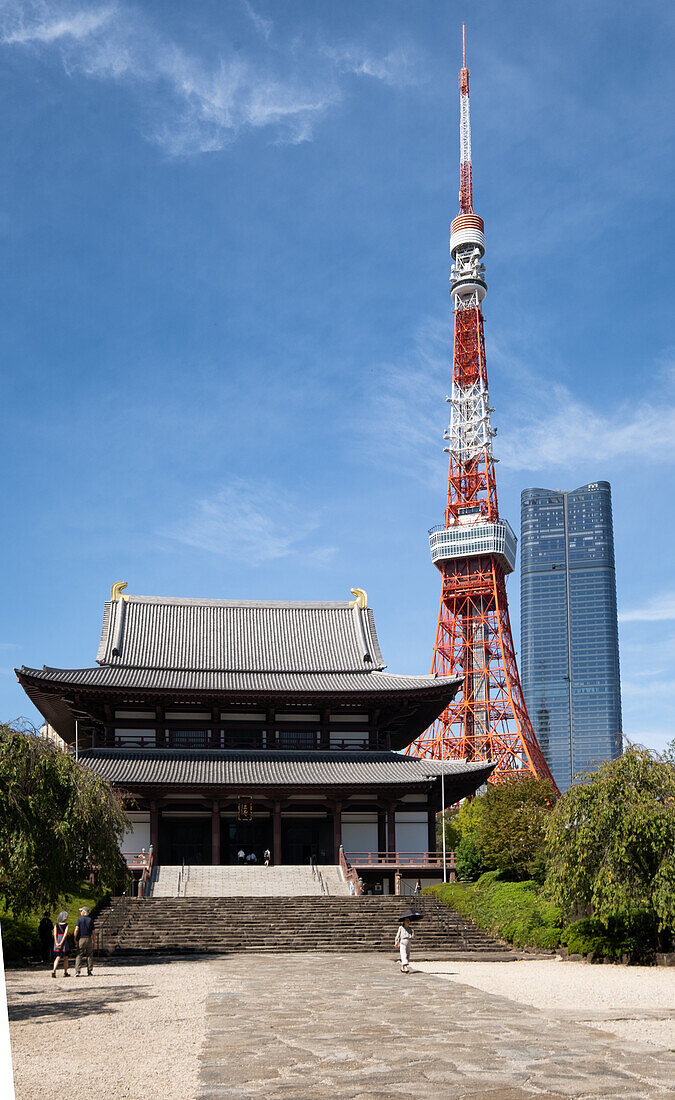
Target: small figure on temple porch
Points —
{"points": [[397, 883], [418, 887], [241, 856], [267, 857], [251, 858], [403, 939]]}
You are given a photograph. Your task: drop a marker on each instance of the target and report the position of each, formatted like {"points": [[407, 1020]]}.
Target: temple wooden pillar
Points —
{"points": [[154, 830], [391, 827], [432, 832], [324, 730], [215, 832], [337, 830], [276, 834], [381, 831]]}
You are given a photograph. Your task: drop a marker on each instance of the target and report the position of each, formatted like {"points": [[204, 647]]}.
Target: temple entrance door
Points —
{"points": [[186, 839], [246, 836], [303, 837]]}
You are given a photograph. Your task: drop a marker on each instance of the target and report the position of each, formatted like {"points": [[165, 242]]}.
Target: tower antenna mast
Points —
{"points": [[465, 175], [474, 549]]}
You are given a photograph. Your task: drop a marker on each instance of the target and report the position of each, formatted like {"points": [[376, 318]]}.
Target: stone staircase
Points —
{"points": [[245, 881], [219, 925]]}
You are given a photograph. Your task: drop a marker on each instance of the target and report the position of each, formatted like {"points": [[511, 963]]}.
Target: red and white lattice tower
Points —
{"points": [[474, 549]]}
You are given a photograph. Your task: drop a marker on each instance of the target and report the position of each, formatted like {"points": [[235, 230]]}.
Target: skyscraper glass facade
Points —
{"points": [[569, 660]]}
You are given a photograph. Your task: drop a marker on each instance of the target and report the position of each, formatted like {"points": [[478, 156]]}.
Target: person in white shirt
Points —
{"points": [[402, 941]]}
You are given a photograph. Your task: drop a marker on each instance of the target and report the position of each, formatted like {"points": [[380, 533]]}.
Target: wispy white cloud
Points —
{"points": [[192, 105], [660, 608], [564, 432], [252, 523], [262, 25], [543, 426], [400, 424], [35, 23], [397, 67]]}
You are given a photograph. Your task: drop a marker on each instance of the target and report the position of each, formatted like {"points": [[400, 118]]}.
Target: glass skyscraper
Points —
{"points": [[569, 659]]}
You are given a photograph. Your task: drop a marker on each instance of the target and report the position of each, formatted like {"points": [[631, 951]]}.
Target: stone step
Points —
{"points": [[196, 881], [329, 924]]}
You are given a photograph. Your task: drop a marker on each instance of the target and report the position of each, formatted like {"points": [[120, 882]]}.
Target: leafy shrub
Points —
{"points": [[514, 911], [19, 940], [613, 940]]}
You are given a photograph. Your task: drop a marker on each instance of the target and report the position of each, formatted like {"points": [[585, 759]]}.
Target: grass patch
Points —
{"points": [[514, 911], [19, 934]]}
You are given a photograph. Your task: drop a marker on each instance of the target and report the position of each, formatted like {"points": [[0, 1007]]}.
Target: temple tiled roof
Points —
{"points": [[153, 648], [279, 768], [261, 682], [238, 636]]}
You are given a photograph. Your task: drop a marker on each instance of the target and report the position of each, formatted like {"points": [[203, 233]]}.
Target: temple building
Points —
{"points": [[235, 725]]}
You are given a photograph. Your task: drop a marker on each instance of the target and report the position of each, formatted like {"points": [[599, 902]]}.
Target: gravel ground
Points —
{"points": [[636, 1003], [129, 1031]]}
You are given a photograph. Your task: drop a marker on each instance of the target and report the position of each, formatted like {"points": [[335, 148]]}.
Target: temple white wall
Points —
{"points": [[412, 831], [359, 832], [130, 737], [138, 836]]}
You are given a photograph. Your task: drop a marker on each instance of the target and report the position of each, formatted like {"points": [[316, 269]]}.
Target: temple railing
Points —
{"points": [[136, 861], [350, 875], [142, 862], [395, 859]]}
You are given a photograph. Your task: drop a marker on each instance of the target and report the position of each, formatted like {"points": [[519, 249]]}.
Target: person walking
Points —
{"points": [[46, 934], [61, 944], [85, 941], [267, 857], [402, 941]]}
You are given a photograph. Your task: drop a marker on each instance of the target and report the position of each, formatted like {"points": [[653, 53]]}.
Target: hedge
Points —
{"points": [[513, 911]]}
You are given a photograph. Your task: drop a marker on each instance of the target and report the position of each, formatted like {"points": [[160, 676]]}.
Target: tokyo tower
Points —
{"points": [[473, 548]]}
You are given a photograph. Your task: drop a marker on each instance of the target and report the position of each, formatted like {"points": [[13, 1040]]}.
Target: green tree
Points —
{"points": [[452, 831], [57, 820], [668, 754], [469, 858], [511, 828], [611, 843]]}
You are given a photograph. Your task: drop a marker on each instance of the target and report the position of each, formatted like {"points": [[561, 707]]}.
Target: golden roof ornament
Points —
{"points": [[361, 600]]}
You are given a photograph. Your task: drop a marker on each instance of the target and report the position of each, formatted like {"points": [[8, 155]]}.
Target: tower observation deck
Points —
{"points": [[474, 548]]}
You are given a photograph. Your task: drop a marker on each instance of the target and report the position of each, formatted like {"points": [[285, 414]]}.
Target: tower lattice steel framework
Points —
{"points": [[474, 549]]}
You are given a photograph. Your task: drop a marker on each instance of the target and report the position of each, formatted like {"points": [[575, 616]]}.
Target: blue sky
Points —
{"points": [[226, 322]]}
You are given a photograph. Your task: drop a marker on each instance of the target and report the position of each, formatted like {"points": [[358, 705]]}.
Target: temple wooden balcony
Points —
{"points": [[398, 861], [225, 740]]}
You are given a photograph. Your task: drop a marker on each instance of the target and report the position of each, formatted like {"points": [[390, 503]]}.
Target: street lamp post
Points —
{"points": [[445, 871]]}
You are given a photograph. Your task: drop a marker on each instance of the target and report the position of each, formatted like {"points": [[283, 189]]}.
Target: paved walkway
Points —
{"points": [[309, 1027]]}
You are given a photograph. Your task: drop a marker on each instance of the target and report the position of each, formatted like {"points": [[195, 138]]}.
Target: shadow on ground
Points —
{"points": [[86, 1002]]}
